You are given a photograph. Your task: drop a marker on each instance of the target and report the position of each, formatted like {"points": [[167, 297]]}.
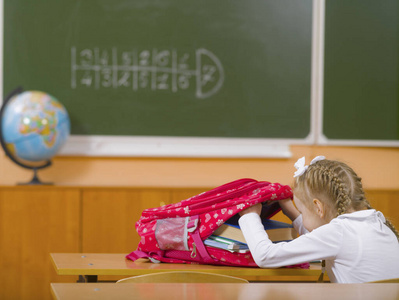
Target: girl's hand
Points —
{"points": [[289, 209], [257, 208]]}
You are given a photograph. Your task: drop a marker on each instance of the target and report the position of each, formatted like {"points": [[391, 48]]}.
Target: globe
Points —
{"points": [[34, 126]]}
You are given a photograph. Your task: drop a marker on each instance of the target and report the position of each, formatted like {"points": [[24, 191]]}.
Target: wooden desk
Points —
{"points": [[230, 291], [90, 265]]}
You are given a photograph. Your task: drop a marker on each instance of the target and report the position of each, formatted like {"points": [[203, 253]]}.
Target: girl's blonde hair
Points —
{"points": [[336, 185]]}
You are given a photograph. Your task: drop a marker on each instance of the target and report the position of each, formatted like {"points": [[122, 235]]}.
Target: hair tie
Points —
{"points": [[301, 167]]}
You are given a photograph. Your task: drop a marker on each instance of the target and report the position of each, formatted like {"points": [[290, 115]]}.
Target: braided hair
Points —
{"points": [[336, 185]]}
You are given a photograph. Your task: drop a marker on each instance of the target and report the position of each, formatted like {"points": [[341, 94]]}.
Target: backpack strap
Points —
{"points": [[133, 256], [198, 244]]}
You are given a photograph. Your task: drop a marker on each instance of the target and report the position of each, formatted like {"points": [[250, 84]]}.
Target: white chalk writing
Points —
{"points": [[152, 69]]}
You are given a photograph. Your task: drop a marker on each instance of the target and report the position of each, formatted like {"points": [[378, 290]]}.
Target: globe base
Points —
{"points": [[35, 180]]}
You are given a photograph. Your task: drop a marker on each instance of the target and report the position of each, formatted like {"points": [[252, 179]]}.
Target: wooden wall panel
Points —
{"points": [[33, 223], [386, 201], [109, 216]]}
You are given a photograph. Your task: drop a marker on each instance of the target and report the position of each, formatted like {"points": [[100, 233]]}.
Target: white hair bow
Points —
{"points": [[301, 167]]}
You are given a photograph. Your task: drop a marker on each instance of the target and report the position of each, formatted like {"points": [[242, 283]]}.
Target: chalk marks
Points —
{"points": [[152, 69]]}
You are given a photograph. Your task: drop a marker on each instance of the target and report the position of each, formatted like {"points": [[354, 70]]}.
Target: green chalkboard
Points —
{"points": [[166, 67], [361, 80]]}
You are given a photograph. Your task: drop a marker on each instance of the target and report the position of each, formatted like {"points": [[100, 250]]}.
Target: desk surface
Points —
{"points": [[116, 264], [230, 291]]}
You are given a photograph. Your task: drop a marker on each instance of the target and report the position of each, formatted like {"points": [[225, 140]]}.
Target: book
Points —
{"points": [[276, 230], [226, 244], [232, 244]]}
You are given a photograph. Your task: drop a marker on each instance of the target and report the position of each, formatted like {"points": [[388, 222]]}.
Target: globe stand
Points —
{"points": [[35, 180]]}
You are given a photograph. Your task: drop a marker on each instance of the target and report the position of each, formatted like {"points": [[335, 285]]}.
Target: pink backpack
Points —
{"points": [[175, 233]]}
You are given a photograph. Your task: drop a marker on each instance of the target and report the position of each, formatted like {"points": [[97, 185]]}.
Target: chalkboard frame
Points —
{"points": [[321, 137]]}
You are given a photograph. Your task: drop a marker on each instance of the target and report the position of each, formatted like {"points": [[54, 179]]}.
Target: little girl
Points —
{"points": [[336, 224]]}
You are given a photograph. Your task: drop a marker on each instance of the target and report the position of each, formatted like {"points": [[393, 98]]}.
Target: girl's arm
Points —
{"points": [[287, 206], [289, 209], [321, 243]]}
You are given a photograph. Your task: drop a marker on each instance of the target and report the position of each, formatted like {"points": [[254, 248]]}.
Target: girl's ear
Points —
{"points": [[319, 208]]}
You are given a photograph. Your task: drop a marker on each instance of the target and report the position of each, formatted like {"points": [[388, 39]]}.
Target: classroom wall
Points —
{"points": [[379, 168]]}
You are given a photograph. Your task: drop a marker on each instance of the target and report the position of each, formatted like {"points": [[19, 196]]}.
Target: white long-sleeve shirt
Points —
{"points": [[358, 247]]}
